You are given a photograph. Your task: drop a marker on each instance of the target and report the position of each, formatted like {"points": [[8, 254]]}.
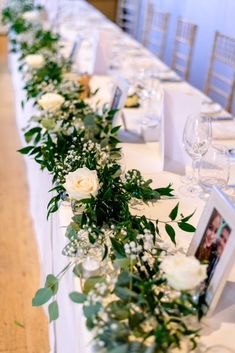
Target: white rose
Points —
{"points": [[51, 101], [31, 16], [183, 272], [35, 61], [82, 183]]}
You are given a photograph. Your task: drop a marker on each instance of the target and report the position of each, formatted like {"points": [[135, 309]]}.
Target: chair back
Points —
{"points": [[155, 30], [127, 15], [221, 74], [183, 47]]}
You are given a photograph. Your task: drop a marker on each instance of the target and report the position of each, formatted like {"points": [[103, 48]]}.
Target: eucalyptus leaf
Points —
{"points": [[52, 283], [53, 311], [42, 296], [90, 283], [77, 297]]}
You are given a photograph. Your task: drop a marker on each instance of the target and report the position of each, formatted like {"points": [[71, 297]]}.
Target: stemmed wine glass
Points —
{"points": [[197, 136]]}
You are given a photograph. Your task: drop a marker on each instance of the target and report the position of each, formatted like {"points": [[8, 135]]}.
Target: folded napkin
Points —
{"points": [[223, 130]]}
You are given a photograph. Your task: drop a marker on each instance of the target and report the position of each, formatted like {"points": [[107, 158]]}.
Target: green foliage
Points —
{"points": [[53, 311], [52, 283], [42, 296], [77, 136], [78, 298]]}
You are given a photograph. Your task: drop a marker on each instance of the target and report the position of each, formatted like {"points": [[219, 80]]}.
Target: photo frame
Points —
{"points": [[214, 244]]}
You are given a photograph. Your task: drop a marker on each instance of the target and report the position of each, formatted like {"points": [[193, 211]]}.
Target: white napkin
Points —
{"points": [[223, 130], [177, 107]]}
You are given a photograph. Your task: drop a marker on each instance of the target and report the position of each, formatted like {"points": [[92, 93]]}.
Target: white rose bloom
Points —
{"points": [[31, 16], [35, 61], [82, 183], [51, 101], [183, 272]]}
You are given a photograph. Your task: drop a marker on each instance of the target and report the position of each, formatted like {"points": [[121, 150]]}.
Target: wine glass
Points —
{"points": [[214, 169], [197, 137]]}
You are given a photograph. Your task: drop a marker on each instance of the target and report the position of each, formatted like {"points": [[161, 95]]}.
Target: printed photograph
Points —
{"points": [[213, 243]]}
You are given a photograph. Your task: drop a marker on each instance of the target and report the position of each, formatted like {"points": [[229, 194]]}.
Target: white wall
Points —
{"points": [[209, 15]]}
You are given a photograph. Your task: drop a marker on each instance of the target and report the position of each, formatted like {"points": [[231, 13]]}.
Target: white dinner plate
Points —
{"points": [[210, 108]]}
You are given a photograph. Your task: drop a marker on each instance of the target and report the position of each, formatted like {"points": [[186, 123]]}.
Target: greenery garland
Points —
{"points": [[130, 303]]}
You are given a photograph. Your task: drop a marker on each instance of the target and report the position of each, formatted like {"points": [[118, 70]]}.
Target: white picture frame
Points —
{"points": [[217, 218]]}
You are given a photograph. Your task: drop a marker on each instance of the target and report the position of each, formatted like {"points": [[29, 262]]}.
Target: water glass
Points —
{"points": [[214, 168], [197, 137]]}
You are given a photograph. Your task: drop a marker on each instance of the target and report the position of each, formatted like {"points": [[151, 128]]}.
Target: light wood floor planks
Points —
{"points": [[19, 268]]}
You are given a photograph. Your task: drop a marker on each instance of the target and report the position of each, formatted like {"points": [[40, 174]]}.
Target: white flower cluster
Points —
{"points": [[143, 250], [133, 176], [132, 249], [73, 158]]}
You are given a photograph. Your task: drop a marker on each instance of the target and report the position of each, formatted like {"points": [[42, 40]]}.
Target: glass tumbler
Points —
{"points": [[214, 168]]}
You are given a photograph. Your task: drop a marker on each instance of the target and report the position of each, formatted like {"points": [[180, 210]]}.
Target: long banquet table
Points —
{"points": [[69, 334]]}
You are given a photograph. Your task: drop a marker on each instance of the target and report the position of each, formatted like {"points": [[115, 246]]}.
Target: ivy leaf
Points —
{"points": [[171, 232], [186, 219], [53, 311], [42, 296], [77, 297], [26, 150], [52, 283], [115, 129], [174, 212], [29, 134], [118, 247], [186, 227], [167, 191]]}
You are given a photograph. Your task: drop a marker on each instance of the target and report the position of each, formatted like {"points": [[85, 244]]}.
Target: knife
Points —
{"points": [[222, 118]]}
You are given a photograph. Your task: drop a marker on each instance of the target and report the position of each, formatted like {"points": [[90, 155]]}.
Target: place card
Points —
{"points": [[75, 47], [178, 106], [102, 55], [118, 99]]}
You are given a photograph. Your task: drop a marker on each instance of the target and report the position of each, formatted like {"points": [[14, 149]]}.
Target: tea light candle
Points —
{"points": [[90, 267]]}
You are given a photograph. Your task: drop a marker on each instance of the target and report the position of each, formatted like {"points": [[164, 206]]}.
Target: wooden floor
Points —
{"points": [[23, 329]]}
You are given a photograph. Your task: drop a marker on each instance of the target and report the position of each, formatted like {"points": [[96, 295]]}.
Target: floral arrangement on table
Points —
{"points": [[136, 296]]}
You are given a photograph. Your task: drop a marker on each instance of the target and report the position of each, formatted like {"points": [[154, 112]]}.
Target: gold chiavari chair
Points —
{"points": [[127, 15], [155, 30], [183, 47], [221, 73]]}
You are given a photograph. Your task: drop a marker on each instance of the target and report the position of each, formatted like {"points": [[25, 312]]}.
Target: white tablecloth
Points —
{"points": [[68, 334]]}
